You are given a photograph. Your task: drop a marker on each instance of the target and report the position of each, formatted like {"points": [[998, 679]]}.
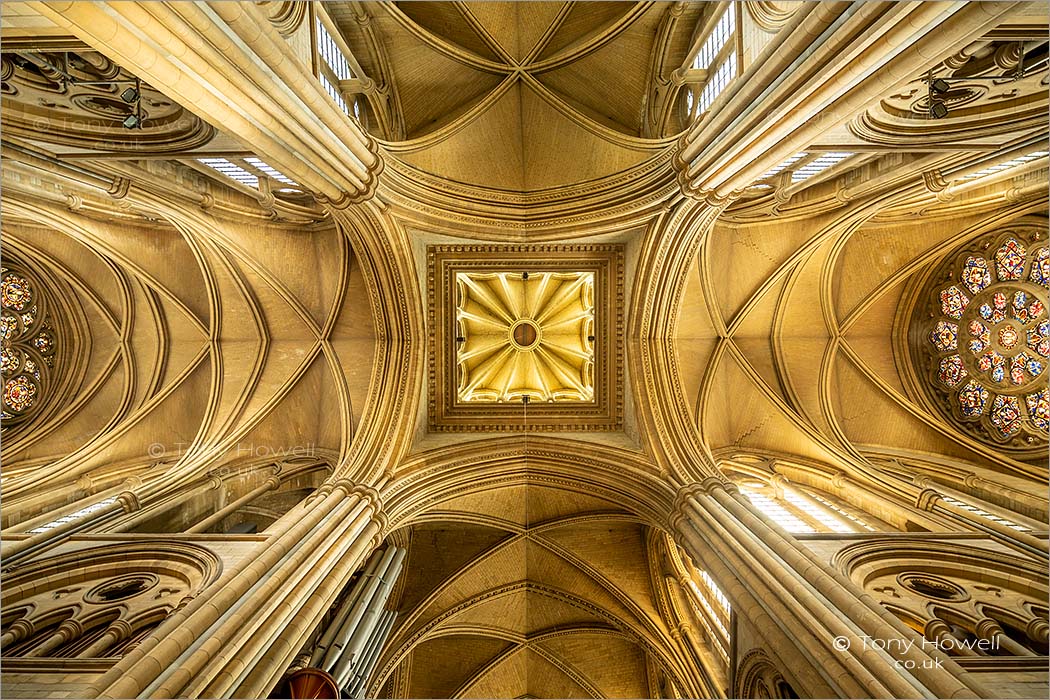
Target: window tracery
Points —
{"points": [[717, 58], [28, 345], [986, 339], [99, 602], [966, 600]]}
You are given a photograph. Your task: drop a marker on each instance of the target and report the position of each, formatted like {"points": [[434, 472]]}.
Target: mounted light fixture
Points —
{"points": [[131, 95], [938, 110], [939, 86]]}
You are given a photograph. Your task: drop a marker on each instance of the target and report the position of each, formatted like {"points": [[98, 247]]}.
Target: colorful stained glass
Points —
{"points": [[1040, 345], [1008, 337], [952, 371], [975, 274], [1009, 260], [28, 346], [9, 361], [8, 327], [945, 336], [1034, 367], [1041, 267], [15, 292], [1006, 415], [44, 342], [1020, 307], [1018, 365], [982, 336], [999, 299], [998, 373], [1035, 310], [19, 393], [973, 398], [1039, 408], [985, 311], [953, 302]]}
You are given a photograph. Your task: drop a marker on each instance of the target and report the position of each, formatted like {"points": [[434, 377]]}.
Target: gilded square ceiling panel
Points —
{"points": [[542, 322], [525, 335]]}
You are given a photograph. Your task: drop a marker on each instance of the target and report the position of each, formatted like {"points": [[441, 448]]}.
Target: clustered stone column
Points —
{"points": [[240, 634], [816, 620]]}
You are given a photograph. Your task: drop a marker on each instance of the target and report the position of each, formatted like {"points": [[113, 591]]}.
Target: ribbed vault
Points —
{"points": [[528, 590]]}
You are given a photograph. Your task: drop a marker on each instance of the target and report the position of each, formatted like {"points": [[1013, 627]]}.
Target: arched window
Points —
{"points": [[800, 510], [712, 609], [717, 57]]}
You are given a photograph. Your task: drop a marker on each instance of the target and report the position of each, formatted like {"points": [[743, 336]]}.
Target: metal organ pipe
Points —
{"points": [[334, 658], [358, 683], [344, 610], [373, 613]]}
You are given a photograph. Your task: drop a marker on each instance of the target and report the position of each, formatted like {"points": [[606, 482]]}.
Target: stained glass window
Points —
{"points": [[28, 345], [953, 302], [972, 399], [1006, 414], [1039, 408], [952, 370], [1009, 261], [1041, 267], [976, 275], [997, 370], [945, 336]]}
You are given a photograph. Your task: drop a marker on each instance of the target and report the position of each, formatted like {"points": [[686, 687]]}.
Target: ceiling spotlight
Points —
{"points": [[938, 110], [939, 86], [132, 122], [129, 95]]}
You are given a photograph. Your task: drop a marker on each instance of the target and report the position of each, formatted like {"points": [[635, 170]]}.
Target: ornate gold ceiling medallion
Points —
{"points": [[512, 321], [523, 335]]}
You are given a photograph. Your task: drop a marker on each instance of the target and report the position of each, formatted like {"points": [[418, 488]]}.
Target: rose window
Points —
{"points": [[989, 340], [28, 352]]}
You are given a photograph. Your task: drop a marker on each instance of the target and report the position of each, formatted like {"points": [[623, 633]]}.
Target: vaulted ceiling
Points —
{"points": [[216, 318], [517, 96]]}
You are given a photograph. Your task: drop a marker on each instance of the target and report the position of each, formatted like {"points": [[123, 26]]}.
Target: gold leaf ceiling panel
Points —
{"points": [[525, 335]]}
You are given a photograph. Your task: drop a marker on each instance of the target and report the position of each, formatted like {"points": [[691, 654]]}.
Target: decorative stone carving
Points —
{"points": [[285, 15], [554, 337], [525, 335], [978, 108], [46, 100]]}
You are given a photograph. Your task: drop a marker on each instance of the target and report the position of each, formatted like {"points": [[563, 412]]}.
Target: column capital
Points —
{"points": [[121, 628], [22, 628], [926, 499], [987, 628], [935, 628], [1038, 630], [129, 500], [699, 488]]}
